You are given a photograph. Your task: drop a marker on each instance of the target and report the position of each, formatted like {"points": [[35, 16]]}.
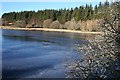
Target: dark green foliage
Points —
{"points": [[90, 12], [82, 13]]}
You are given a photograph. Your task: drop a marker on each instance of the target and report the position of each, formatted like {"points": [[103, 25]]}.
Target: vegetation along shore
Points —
{"points": [[84, 19], [47, 29]]}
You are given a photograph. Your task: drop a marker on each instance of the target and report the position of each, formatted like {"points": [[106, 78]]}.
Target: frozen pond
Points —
{"points": [[38, 54]]}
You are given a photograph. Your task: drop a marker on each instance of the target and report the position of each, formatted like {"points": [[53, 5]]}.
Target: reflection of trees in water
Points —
{"points": [[101, 55]]}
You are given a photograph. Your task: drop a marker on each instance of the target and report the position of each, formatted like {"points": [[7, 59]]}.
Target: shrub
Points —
{"points": [[78, 25], [20, 23], [71, 25], [46, 23], [83, 26], [55, 25]]}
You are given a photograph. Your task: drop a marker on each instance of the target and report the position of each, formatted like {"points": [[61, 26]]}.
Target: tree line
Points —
{"points": [[36, 19]]}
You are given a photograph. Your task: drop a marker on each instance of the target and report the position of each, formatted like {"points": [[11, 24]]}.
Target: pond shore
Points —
{"points": [[48, 29]]}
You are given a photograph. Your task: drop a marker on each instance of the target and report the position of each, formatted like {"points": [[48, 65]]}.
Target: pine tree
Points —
{"points": [[90, 16]]}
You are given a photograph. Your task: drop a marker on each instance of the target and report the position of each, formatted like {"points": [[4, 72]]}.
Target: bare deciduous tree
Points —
{"points": [[20, 23], [46, 23], [55, 25], [101, 55]]}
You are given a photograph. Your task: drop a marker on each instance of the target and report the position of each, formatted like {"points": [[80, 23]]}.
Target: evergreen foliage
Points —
{"points": [[82, 13]]}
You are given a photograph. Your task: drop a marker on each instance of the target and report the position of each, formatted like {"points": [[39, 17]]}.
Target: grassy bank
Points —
{"points": [[48, 29]]}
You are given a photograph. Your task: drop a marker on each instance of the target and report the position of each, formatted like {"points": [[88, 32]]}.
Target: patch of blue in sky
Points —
{"points": [[28, 6]]}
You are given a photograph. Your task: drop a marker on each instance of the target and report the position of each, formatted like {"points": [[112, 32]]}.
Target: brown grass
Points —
{"points": [[47, 29]]}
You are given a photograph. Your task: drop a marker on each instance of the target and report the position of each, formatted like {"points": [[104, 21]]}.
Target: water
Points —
{"points": [[38, 54]]}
